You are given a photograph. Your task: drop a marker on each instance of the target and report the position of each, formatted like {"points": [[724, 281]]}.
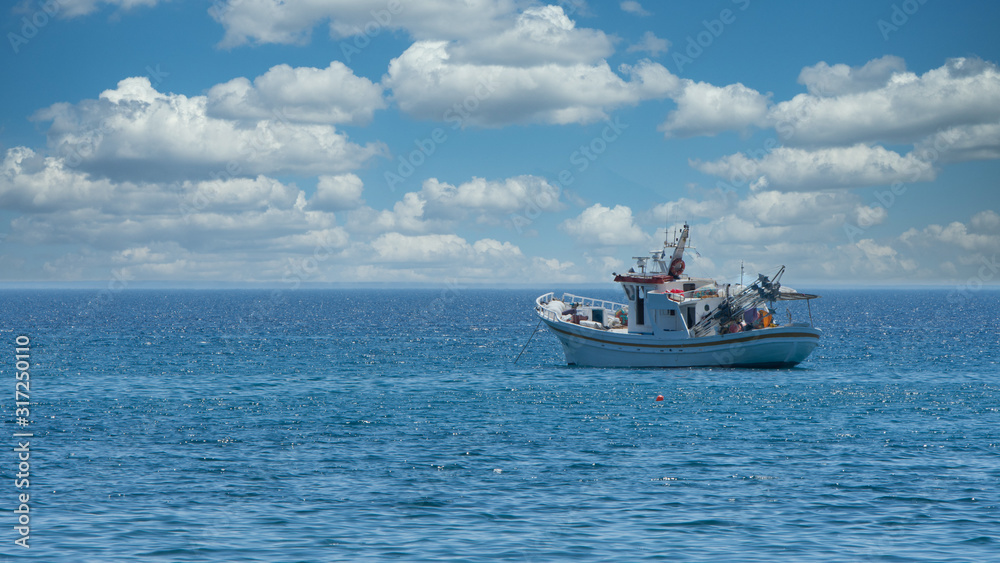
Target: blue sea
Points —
{"points": [[371, 425]]}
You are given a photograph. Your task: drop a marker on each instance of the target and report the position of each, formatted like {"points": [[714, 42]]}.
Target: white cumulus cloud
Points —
{"points": [[633, 7], [337, 193], [303, 94], [136, 132], [603, 226], [441, 248], [490, 199], [651, 44], [276, 21], [792, 169], [543, 34], [704, 109], [907, 108], [962, 143], [825, 80], [427, 84], [439, 206]]}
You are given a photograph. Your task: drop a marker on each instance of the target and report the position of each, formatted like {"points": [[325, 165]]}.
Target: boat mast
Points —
{"points": [[679, 245]]}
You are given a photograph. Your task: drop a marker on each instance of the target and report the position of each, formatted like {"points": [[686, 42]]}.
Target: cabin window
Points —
{"points": [[688, 287], [640, 311]]}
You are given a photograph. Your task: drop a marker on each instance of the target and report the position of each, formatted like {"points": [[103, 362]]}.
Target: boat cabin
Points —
{"points": [[675, 305], [661, 298]]}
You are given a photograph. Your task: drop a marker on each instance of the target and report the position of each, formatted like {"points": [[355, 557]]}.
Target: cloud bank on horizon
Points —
{"points": [[498, 142]]}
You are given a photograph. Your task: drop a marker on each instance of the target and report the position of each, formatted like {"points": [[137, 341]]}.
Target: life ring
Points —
{"points": [[677, 267]]}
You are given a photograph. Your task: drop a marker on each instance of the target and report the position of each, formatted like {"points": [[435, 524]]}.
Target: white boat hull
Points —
{"points": [[763, 348]]}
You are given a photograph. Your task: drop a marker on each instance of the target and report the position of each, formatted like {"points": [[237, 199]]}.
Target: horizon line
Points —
{"points": [[119, 286]]}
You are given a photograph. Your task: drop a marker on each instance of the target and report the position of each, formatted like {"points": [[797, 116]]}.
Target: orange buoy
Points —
{"points": [[659, 397]]}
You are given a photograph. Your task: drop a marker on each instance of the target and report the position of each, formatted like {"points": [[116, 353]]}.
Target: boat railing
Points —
{"points": [[579, 301], [542, 310], [575, 301]]}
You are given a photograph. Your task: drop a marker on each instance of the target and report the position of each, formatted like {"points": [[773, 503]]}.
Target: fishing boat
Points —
{"points": [[670, 319]]}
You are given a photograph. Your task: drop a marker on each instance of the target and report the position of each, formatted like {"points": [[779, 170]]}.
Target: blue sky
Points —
{"points": [[498, 141]]}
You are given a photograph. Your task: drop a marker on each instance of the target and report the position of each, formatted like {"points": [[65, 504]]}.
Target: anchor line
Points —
{"points": [[529, 341]]}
